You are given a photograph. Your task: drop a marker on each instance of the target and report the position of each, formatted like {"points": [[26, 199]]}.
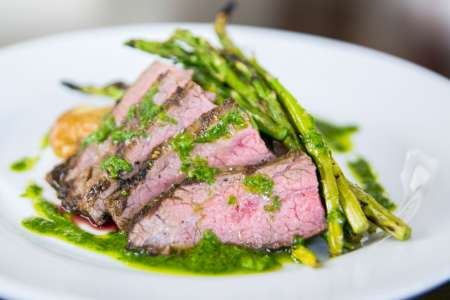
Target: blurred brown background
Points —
{"points": [[418, 30]]}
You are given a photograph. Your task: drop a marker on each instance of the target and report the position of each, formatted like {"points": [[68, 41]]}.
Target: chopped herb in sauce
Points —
{"points": [[337, 137], [123, 135], [24, 164], [164, 117], [195, 168], [114, 166], [107, 126], [132, 112], [147, 109], [209, 256], [262, 185], [274, 206], [198, 169], [232, 200], [298, 240], [222, 128], [32, 191], [183, 144], [365, 175], [259, 184]]}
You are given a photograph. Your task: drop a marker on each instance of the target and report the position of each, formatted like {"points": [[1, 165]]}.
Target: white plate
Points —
{"points": [[399, 106]]}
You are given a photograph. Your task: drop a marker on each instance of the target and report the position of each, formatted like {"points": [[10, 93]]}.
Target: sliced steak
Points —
{"points": [[240, 147], [70, 178], [185, 213], [183, 108]]}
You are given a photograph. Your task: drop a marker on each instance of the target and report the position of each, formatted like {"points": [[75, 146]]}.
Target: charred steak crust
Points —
{"points": [[57, 179]]}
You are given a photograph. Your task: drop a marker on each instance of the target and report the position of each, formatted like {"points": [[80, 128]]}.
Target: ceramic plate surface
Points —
{"points": [[398, 105]]}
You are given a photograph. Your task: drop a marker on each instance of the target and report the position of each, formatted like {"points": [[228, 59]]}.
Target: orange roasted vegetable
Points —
{"points": [[73, 126]]}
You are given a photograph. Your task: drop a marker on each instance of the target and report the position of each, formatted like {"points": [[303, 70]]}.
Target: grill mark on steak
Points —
{"points": [[172, 223], [172, 101], [163, 166], [90, 197], [67, 176], [78, 185], [185, 98], [116, 203], [181, 99]]}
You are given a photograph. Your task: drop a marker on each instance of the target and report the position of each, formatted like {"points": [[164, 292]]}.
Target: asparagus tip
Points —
{"points": [[406, 234], [119, 84], [70, 85], [131, 43], [228, 8]]}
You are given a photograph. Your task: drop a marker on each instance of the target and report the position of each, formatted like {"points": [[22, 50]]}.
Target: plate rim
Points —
{"points": [[33, 292]]}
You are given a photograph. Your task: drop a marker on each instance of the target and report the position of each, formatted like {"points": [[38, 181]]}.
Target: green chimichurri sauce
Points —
{"points": [[102, 133], [337, 137], [222, 128], [232, 200], [259, 184], [183, 144], [123, 135], [24, 164], [145, 112], [209, 256], [262, 185], [274, 206], [365, 175], [164, 116], [108, 128], [199, 170], [114, 166]]}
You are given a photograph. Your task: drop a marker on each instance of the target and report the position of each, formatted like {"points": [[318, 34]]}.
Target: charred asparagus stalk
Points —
{"points": [[381, 216], [350, 204], [210, 64], [312, 140], [316, 148], [113, 90]]}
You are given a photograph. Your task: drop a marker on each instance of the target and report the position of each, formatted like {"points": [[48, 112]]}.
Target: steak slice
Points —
{"points": [[240, 147], [185, 213], [184, 108], [70, 177]]}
